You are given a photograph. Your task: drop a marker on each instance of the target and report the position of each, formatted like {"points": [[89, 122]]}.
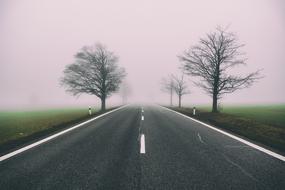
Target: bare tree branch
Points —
{"points": [[167, 85]]}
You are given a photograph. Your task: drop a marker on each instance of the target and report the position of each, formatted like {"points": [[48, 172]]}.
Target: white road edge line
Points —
{"points": [[266, 151], [142, 117], [9, 155], [142, 144]]}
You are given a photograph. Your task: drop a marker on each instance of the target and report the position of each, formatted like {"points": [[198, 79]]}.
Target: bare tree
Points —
{"points": [[180, 87], [212, 59], [125, 91], [167, 86], [95, 71]]}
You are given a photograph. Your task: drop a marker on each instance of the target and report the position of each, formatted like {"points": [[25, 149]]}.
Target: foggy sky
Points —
{"points": [[38, 38]]}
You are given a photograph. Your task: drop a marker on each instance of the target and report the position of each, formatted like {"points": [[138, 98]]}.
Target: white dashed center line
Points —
{"points": [[142, 149]]}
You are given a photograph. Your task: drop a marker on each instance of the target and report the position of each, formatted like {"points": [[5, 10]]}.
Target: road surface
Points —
{"points": [[142, 148]]}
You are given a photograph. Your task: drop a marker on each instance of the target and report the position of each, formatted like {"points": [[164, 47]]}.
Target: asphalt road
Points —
{"points": [[105, 154]]}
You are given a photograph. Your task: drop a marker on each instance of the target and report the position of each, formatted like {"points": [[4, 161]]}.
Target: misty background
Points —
{"points": [[39, 38]]}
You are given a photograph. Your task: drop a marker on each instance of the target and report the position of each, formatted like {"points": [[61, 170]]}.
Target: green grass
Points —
{"points": [[263, 124], [271, 114], [19, 124], [268, 114]]}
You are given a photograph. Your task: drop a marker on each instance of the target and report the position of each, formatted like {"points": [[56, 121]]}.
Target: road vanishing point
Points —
{"points": [[137, 147]]}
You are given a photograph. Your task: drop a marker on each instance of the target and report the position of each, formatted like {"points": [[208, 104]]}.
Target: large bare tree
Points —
{"points": [[180, 87], [95, 71], [167, 86], [211, 60]]}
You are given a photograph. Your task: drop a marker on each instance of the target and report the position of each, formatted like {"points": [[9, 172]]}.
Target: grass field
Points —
{"points": [[19, 124], [263, 124], [268, 114], [271, 114]]}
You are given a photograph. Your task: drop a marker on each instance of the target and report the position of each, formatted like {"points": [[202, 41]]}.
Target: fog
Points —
{"points": [[38, 38]]}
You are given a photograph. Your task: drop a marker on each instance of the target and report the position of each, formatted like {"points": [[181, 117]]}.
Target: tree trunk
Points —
{"points": [[215, 90], [103, 104], [179, 101], [215, 103]]}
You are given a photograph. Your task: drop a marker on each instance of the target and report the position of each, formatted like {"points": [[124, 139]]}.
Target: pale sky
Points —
{"points": [[38, 38]]}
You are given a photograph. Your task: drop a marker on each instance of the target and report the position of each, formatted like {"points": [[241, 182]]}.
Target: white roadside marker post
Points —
{"points": [[194, 110], [89, 110]]}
